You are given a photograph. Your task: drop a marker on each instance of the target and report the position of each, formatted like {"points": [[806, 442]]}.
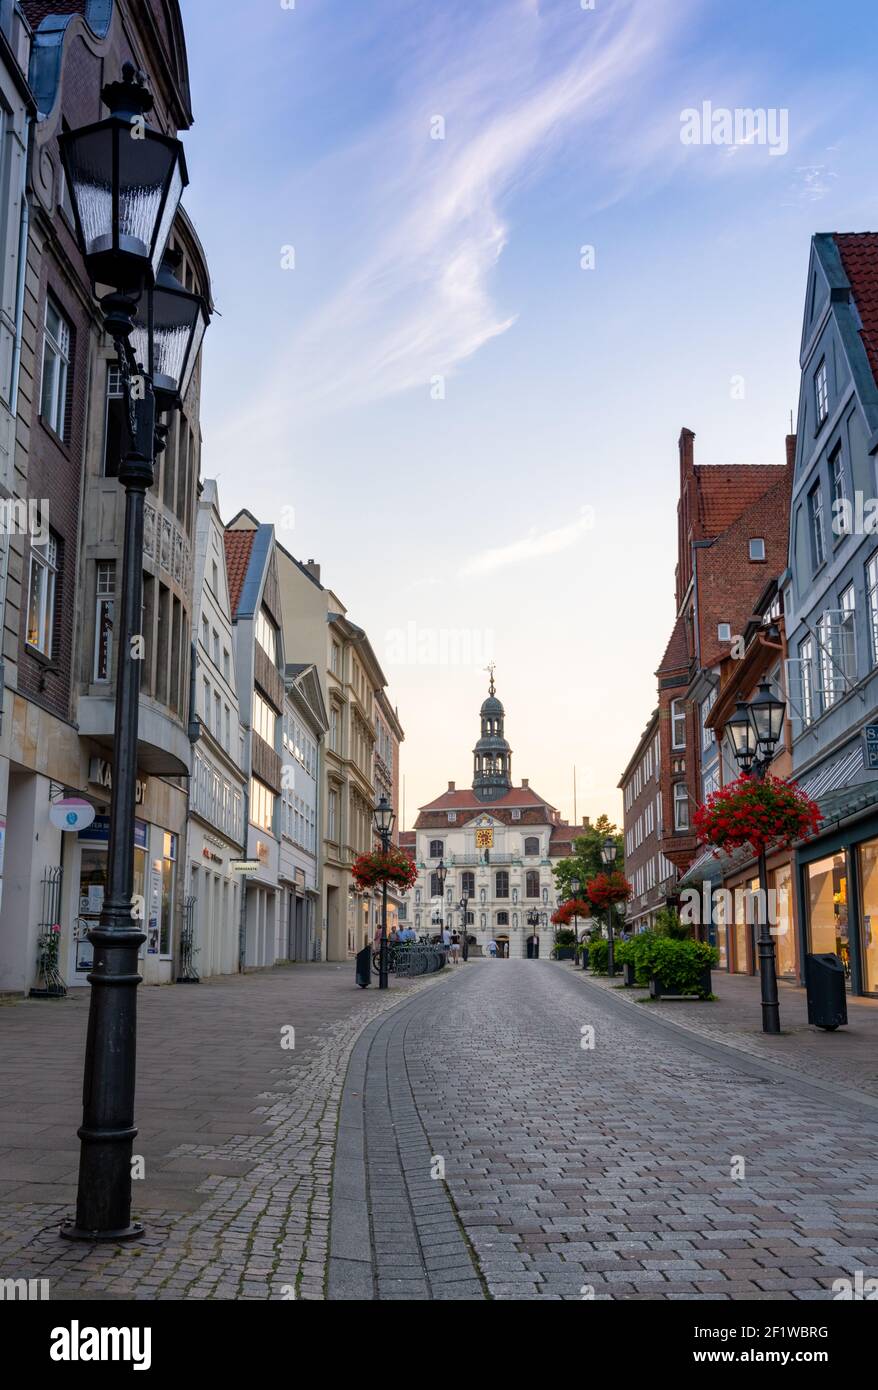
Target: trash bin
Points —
{"points": [[364, 967], [824, 984]]}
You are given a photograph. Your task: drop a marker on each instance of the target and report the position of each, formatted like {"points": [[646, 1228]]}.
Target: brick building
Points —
{"points": [[651, 874], [732, 529]]}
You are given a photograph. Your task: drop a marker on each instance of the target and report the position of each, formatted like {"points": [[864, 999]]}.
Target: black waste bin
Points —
{"points": [[364, 967], [824, 983]]}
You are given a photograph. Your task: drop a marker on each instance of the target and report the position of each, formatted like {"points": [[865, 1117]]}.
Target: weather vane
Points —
{"points": [[490, 667]]}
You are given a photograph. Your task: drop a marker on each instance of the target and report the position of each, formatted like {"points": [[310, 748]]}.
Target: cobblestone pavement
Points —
{"points": [[237, 1134], [845, 1059], [601, 1172]]}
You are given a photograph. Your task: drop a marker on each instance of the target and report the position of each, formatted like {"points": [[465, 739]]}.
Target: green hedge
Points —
{"points": [[678, 964], [597, 956]]}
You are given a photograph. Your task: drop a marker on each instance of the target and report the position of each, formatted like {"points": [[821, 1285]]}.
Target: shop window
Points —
{"points": [[782, 928], [869, 879], [827, 908]]}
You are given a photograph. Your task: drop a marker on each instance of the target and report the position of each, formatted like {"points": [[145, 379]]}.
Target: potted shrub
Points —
{"points": [[675, 967]]}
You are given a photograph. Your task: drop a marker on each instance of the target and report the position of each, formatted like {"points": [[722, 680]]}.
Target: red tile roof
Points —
{"points": [[676, 657], [859, 256], [724, 492], [239, 544], [467, 800]]}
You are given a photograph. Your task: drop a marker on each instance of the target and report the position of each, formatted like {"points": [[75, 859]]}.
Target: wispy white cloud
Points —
{"points": [[536, 545]]}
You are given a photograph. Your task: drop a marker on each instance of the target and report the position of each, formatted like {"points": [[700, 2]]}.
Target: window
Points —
{"points": [[227, 741], [708, 737], [266, 636], [264, 719], [757, 548], [216, 649], [205, 634], [217, 710], [468, 884], [115, 439], [846, 653], [214, 576], [437, 849], [335, 659], [105, 592], [227, 670], [56, 368], [806, 659], [435, 886], [821, 393], [839, 519], [678, 724], [333, 728], [332, 826], [532, 845], [532, 884], [724, 632], [815, 513], [827, 668], [261, 804], [681, 806], [502, 919], [501, 884], [872, 604], [41, 594]]}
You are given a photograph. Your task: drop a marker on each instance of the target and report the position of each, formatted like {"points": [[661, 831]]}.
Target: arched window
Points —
{"points": [[437, 849], [501, 885], [502, 919], [532, 845], [467, 885], [532, 884]]}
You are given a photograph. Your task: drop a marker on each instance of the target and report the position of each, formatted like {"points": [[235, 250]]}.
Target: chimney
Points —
{"points": [[791, 450], [687, 452], [313, 569], [586, 823], [525, 783], [451, 786]]}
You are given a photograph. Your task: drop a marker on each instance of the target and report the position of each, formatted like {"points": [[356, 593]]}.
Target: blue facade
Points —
{"points": [[831, 606]]}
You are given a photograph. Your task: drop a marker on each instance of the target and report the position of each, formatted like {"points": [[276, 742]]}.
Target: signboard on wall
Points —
{"points": [[870, 746]]}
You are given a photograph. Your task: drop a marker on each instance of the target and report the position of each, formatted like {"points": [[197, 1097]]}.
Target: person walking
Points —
{"points": [[455, 949], [492, 950]]}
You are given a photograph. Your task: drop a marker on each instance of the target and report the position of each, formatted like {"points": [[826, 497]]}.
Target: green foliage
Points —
{"points": [[678, 964], [667, 923], [586, 861], [597, 957], [564, 936]]}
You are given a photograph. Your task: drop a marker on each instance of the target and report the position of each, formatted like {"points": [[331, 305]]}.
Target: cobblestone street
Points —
{"points": [[570, 1172], [605, 1172], [236, 1133]]}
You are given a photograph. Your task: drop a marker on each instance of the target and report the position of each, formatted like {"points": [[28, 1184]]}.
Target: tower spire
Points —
{"points": [[492, 756]]}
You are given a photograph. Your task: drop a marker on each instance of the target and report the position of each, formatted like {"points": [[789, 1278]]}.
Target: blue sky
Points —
{"points": [[475, 435]]}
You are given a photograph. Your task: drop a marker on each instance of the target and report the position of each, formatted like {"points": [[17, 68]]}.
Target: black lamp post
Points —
{"points": [[441, 872], [463, 905], [533, 920], [575, 886], [125, 182], [754, 731], [608, 855], [384, 819]]}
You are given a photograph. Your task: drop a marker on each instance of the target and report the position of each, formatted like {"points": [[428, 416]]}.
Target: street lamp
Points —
{"points": [[754, 731], [575, 885], [533, 920], [383, 820], [608, 855], [125, 181], [463, 906], [441, 872]]}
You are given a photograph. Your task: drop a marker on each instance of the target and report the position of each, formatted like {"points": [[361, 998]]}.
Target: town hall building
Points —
{"points": [[499, 844]]}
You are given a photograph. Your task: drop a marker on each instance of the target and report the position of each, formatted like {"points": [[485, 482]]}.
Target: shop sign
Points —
{"points": [[300, 876], [245, 866], [100, 830], [71, 813], [100, 772], [870, 746], [209, 854]]}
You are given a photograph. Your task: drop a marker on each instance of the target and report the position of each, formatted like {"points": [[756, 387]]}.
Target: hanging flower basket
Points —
{"points": [[605, 889], [574, 907], [757, 813], [378, 867]]}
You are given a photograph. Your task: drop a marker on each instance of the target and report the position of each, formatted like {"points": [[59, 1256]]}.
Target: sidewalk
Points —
{"points": [[846, 1059], [236, 1131]]}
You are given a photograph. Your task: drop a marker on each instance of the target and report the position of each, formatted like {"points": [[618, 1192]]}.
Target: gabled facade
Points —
{"points": [[304, 730], [652, 876], [259, 673], [731, 535], [217, 787], [832, 601]]}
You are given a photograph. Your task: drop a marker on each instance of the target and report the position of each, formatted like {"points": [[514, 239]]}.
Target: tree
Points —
{"points": [[586, 860]]}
